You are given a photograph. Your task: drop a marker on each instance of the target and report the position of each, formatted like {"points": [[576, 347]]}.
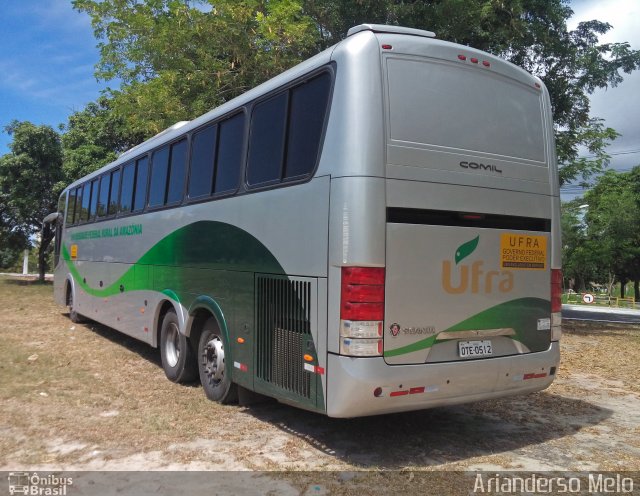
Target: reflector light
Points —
{"points": [[399, 393], [472, 216], [534, 376], [462, 57], [377, 392], [474, 60], [537, 85], [308, 358], [486, 63], [241, 340], [387, 47]]}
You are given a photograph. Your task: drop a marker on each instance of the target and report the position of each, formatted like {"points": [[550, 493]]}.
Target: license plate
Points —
{"points": [[471, 349]]}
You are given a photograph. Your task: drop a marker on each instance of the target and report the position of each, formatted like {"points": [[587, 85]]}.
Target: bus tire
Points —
{"points": [[74, 316], [214, 376], [176, 354]]}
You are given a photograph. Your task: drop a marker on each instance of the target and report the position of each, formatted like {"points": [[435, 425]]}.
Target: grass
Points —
{"points": [[69, 391], [72, 378]]}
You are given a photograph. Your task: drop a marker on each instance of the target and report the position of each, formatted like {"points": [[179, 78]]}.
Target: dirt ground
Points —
{"points": [[84, 397]]}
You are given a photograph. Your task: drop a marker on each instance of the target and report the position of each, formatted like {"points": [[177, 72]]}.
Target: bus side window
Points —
{"points": [[266, 142], [94, 199], [103, 195], [126, 192], [177, 163], [86, 197], [308, 108], [78, 208], [71, 205], [159, 172], [140, 192], [229, 157], [203, 147], [112, 207]]}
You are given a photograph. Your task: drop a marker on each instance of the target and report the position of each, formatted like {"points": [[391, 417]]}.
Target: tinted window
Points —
{"points": [[229, 153], [126, 192], [140, 193], [113, 192], [71, 206], [203, 146], [94, 199], [177, 171], [78, 209], [159, 171], [103, 195], [86, 197], [307, 109], [266, 141], [61, 202]]}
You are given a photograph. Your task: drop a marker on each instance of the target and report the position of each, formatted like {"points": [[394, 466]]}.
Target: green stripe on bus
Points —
{"points": [[521, 314], [203, 244]]}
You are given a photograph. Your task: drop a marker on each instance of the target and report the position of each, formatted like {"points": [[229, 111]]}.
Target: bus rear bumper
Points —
{"points": [[352, 382]]}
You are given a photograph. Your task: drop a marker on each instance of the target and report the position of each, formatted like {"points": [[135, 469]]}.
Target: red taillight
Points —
{"points": [[363, 275], [556, 290], [387, 47], [462, 57], [474, 60], [362, 295]]}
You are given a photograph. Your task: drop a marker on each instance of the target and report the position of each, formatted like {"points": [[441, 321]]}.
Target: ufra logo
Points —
{"points": [[472, 276]]}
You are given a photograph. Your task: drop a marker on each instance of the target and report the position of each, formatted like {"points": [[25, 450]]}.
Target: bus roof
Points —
{"points": [[384, 28]]}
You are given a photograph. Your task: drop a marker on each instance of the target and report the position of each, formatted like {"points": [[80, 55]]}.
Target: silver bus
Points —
{"points": [[375, 230]]}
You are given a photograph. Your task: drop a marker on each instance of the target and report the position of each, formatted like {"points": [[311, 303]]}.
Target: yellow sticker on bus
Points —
{"points": [[523, 251]]}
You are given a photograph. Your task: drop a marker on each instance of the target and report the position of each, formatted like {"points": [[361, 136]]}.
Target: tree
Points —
{"points": [[177, 59], [29, 176], [579, 262], [92, 138], [12, 240], [613, 227], [530, 33]]}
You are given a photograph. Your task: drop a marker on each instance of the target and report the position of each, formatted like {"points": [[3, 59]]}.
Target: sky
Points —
{"points": [[49, 53]]}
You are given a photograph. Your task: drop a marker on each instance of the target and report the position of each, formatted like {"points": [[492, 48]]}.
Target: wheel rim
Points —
{"points": [[172, 345], [213, 361]]}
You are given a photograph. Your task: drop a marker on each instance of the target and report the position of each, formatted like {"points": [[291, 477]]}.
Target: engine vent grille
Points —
{"points": [[283, 333]]}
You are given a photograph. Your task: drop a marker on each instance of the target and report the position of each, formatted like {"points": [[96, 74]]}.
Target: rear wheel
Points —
{"points": [[178, 358], [215, 380], [74, 316]]}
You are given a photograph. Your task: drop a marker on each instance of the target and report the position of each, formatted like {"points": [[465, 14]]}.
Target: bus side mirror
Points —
{"points": [[51, 218]]}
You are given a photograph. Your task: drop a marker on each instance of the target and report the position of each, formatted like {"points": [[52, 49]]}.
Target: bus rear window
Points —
{"points": [[442, 105]]}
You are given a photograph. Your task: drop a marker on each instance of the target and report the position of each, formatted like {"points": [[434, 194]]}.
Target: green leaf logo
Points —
{"points": [[466, 249]]}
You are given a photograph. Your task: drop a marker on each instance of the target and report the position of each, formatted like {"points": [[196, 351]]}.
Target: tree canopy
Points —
{"points": [[177, 59], [601, 232], [92, 138], [30, 176]]}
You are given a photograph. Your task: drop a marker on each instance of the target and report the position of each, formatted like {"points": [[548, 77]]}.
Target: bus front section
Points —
{"points": [[466, 304]]}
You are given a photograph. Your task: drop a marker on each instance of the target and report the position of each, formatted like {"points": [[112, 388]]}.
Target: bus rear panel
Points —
{"points": [[471, 241]]}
